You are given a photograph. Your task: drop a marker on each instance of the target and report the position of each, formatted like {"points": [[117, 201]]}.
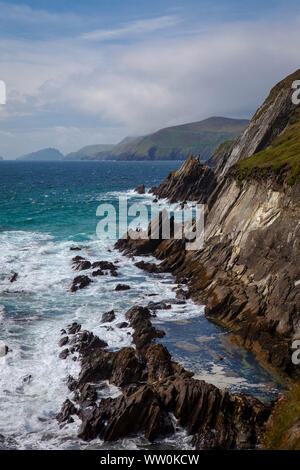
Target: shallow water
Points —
{"points": [[46, 208]]}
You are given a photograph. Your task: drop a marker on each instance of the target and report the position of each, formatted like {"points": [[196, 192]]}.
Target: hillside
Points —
{"points": [[88, 152], [177, 142], [44, 155]]}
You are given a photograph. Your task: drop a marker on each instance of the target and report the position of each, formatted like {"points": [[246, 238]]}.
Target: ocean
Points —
{"points": [[45, 209]]}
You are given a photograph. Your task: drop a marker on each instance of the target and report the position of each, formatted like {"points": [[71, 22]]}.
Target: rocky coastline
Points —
{"points": [[247, 276], [247, 273], [156, 394]]}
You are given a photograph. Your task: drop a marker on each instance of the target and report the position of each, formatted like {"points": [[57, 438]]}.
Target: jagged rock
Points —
{"points": [[72, 383], [193, 181], [85, 342], [144, 332], [74, 328], [149, 267], [63, 341], [145, 242], [117, 417], [80, 282], [65, 415], [98, 272], [140, 189], [108, 316], [152, 387], [14, 277], [80, 263], [122, 287], [159, 364], [105, 266], [86, 395], [64, 354], [127, 368], [75, 248], [159, 306]]}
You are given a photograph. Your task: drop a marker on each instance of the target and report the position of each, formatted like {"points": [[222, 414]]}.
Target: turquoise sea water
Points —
{"points": [[46, 208]]}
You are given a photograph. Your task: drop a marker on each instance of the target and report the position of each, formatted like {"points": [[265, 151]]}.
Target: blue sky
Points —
{"points": [[93, 71]]}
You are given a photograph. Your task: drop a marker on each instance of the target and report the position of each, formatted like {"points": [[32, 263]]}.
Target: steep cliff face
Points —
{"points": [[248, 273], [271, 119]]}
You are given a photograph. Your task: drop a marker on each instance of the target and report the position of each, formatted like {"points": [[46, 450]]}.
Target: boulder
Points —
{"points": [[80, 282], [149, 267], [108, 317], [122, 287], [140, 189]]}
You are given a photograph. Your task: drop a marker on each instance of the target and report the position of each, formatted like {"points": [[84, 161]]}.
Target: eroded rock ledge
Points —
{"points": [[153, 389], [193, 181]]}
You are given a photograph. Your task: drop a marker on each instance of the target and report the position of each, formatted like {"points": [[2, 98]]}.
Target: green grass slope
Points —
{"points": [[178, 142], [89, 152], [282, 157]]}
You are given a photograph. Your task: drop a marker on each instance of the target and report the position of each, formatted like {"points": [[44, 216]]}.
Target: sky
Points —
{"points": [[81, 72]]}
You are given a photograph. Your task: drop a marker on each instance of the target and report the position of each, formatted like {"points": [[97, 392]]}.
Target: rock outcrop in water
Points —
{"points": [[247, 273], [152, 389], [193, 181]]}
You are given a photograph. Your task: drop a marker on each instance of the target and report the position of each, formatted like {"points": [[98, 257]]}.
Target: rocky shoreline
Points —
{"points": [[247, 273], [156, 394]]}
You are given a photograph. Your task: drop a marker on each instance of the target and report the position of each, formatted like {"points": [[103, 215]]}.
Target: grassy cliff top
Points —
{"points": [[282, 157], [284, 431]]}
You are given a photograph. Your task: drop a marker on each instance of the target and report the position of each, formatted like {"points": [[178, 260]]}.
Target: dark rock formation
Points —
{"points": [[14, 277], [80, 282], [247, 273], [80, 264], [152, 387], [122, 287], [149, 267], [98, 272], [145, 242], [193, 181], [108, 316], [104, 267], [140, 189]]}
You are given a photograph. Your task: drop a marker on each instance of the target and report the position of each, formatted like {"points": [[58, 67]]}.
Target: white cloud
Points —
{"points": [[133, 28], [69, 93]]}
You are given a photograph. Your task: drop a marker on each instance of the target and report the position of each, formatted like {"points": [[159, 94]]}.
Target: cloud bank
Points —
{"points": [[101, 85]]}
